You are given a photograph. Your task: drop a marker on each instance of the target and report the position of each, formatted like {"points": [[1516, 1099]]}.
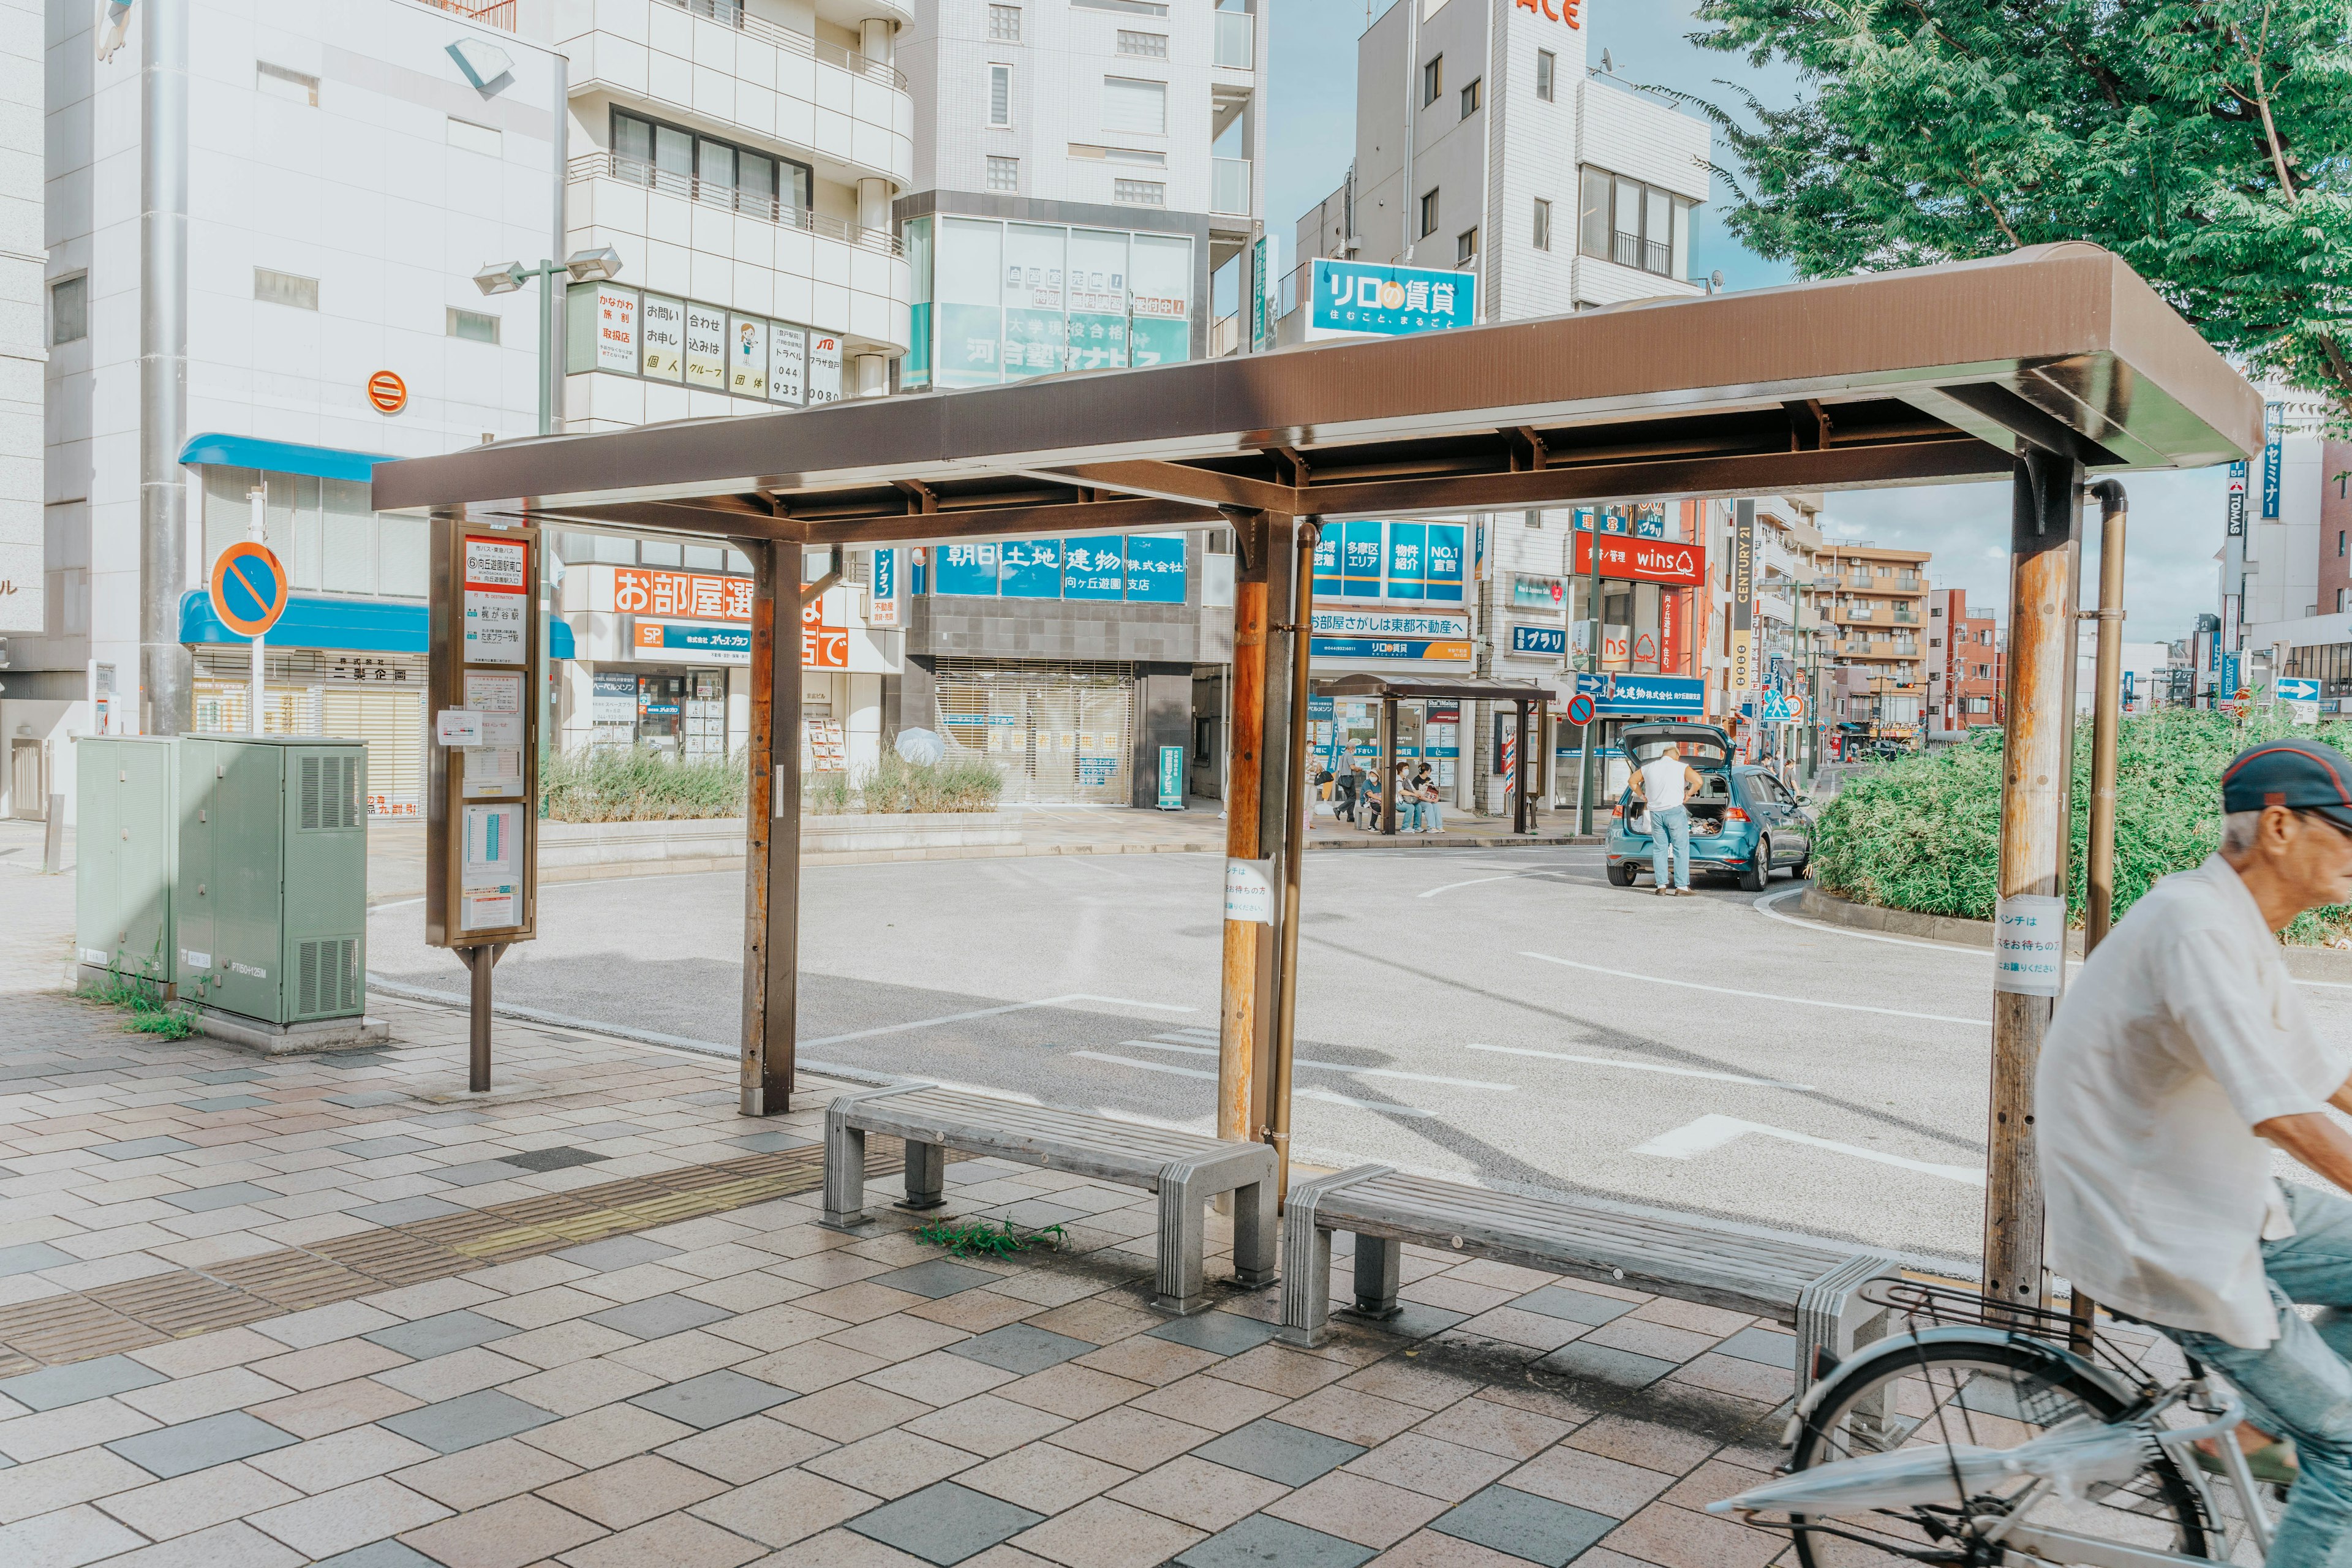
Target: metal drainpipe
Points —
{"points": [[555, 290], [166, 671], [1408, 219]]}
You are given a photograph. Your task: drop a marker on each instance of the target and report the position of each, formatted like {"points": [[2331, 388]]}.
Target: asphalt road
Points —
{"points": [[1502, 1014]]}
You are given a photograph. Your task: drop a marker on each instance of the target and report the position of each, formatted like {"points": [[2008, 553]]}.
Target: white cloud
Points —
{"points": [[2169, 574]]}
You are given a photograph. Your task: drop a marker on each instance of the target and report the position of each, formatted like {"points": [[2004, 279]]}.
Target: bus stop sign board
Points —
{"points": [[249, 589]]}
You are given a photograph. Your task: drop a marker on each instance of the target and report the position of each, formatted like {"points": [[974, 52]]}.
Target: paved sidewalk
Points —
{"points": [[331, 1308]]}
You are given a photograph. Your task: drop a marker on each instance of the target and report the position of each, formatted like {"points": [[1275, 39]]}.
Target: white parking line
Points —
{"points": [[993, 1012], [1513, 877], [1758, 995], [1639, 1066], [1323, 1094], [1711, 1133], [1338, 1067]]}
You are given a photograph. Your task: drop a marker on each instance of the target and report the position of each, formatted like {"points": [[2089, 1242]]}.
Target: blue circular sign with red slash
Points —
{"points": [[249, 589], [1579, 709]]}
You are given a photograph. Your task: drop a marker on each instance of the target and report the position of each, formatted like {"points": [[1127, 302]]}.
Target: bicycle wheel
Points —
{"points": [[1990, 1390]]}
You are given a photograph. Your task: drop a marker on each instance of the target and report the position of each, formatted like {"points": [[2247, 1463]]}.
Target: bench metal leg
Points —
{"points": [[1832, 1316], [1256, 1223], [1379, 1262], [844, 1175], [1307, 1258], [1182, 1287], [927, 1175]]}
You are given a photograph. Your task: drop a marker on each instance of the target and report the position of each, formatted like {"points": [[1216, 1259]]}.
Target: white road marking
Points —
{"points": [[1513, 877], [993, 1012], [1323, 1094], [1711, 1133], [1337, 1066], [1758, 995], [1639, 1066]]}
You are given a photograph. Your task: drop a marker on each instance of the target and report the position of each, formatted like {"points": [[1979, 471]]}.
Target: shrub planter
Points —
{"points": [[574, 851], [2324, 963]]}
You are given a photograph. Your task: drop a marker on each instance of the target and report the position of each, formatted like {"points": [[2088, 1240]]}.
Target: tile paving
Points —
{"points": [[596, 1323]]}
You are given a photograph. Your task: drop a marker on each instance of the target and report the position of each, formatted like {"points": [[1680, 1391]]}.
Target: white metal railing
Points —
{"points": [[1225, 335], [611, 165], [1237, 40], [1229, 185], [731, 13]]}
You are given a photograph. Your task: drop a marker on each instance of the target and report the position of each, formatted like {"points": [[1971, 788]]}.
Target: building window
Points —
{"points": [[1432, 81], [1470, 99], [1005, 173], [999, 95], [1634, 225], [276, 81], [705, 169], [1547, 68], [1143, 46], [1130, 103], [1465, 248], [1543, 225], [69, 310], [2339, 544], [1429, 214], [2340, 601], [285, 289], [1004, 24], [474, 326], [1125, 7], [1139, 193]]}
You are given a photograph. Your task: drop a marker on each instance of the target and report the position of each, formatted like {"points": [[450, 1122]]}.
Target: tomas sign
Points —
{"points": [[1354, 299], [1626, 559]]}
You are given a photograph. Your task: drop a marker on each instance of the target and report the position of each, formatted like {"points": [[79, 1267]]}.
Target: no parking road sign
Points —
{"points": [[249, 589], [1579, 709]]}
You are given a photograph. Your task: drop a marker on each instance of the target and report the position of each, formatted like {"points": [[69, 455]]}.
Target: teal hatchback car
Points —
{"points": [[1744, 821]]}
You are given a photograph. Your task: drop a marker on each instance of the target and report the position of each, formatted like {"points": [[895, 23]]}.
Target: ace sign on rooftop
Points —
{"points": [[1354, 299]]}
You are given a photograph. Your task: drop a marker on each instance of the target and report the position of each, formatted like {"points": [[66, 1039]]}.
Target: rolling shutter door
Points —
{"points": [[393, 725], [1060, 732]]}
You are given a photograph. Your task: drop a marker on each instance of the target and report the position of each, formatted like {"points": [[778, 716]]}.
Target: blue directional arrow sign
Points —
{"points": [[2298, 691]]}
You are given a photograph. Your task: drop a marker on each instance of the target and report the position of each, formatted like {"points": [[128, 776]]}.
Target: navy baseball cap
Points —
{"points": [[2302, 775]]}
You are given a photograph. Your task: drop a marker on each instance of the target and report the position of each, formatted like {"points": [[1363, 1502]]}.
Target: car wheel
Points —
{"points": [[1797, 871], [1622, 875], [1758, 870]]}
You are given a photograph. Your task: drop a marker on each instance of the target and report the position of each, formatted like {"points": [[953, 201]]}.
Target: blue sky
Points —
{"points": [[2176, 524]]}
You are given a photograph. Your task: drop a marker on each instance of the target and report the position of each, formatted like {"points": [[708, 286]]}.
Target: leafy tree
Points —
{"points": [[2208, 143]]}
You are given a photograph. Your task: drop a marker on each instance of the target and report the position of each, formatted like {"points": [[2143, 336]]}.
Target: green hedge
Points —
{"points": [[646, 783], [1923, 833]]}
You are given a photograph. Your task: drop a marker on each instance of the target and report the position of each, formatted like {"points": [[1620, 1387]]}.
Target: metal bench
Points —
{"points": [[1808, 1284], [1186, 1170]]}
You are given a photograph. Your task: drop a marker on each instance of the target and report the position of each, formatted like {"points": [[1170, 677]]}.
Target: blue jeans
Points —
{"points": [[1669, 844], [2300, 1385], [1432, 816], [1408, 815]]}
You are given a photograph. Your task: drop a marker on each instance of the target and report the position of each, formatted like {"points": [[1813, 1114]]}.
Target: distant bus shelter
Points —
{"points": [[2040, 368], [1523, 697]]}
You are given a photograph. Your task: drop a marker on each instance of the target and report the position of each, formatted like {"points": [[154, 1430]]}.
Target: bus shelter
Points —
{"points": [[2041, 368], [1522, 696]]}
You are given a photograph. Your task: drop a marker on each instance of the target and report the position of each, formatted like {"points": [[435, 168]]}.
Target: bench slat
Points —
{"points": [[1070, 1141]]}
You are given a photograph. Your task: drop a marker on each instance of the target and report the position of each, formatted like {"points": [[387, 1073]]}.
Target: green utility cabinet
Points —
{"points": [[123, 797], [272, 880]]}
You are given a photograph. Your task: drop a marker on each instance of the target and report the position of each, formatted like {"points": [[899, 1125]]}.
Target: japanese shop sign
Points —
{"points": [[1351, 299], [1642, 560], [695, 595]]}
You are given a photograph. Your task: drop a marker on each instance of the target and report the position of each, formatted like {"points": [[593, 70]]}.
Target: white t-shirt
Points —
{"points": [[2181, 1033], [1662, 782]]}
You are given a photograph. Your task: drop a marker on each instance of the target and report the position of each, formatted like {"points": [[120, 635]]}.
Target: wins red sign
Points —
{"points": [[1643, 560]]}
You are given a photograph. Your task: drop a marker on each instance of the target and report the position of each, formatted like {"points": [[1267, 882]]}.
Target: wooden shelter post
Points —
{"points": [[1386, 814], [1298, 816], [772, 832], [1522, 810], [1238, 1022], [2045, 558]]}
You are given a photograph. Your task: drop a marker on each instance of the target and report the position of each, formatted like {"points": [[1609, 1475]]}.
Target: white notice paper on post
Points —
{"points": [[1250, 891], [2029, 945], [498, 698], [493, 846], [457, 727], [494, 628], [489, 909], [492, 771]]}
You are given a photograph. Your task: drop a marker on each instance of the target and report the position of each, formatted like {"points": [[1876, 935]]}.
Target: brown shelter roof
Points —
{"points": [[1932, 375], [1441, 689]]}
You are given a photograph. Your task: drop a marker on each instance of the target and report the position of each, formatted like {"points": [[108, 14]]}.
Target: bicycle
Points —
{"points": [[1988, 1435]]}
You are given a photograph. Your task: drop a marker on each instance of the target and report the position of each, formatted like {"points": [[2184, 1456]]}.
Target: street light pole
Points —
{"points": [[581, 267]]}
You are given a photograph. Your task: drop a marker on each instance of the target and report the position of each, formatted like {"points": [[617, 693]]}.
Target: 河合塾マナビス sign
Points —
{"points": [[1355, 299]]}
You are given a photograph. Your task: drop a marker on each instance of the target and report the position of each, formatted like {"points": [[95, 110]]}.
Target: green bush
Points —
{"points": [[646, 783], [1923, 833]]}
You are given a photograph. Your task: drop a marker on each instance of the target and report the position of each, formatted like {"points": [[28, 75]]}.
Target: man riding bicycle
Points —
{"points": [[2179, 1058]]}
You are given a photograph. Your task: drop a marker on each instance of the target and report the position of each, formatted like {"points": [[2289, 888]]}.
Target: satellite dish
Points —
{"points": [[1607, 64], [1716, 278], [921, 747]]}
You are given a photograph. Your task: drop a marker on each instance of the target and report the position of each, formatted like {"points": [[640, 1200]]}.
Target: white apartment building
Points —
{"points": [[2273, 573], [23, 348], [262, 224], [1483, 143]]}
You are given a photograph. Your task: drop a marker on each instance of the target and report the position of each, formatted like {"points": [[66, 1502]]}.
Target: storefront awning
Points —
{"points": [[337, 626], [281, 458], [1434, 687]]}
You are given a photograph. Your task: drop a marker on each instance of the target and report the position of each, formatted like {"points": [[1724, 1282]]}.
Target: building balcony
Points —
{"points": [[1230, 183], [708, 66], [489, 12], [1236, 41]]}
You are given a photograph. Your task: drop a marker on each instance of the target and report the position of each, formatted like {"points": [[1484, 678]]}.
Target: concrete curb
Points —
{"points": [[2328, 966]]}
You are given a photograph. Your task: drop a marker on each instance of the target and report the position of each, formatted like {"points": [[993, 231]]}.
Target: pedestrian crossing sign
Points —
{"points": [[1777, 709]]}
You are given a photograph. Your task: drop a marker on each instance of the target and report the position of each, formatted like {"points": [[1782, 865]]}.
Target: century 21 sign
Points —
{"points": [[1567, 12]]}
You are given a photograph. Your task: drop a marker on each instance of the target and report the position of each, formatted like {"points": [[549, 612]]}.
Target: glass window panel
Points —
{"points": [[755, 179], [633, 138], [673, 152], [716, 170], [228, 511], [400, 558], [1592, 214], [657, 553], [1625, 235], [297, 494], [1161, 290], [968, 280], [1133, 105], [1035, 339], [1657, 230], [793, 190], [1098, 298], [1679, 264]]}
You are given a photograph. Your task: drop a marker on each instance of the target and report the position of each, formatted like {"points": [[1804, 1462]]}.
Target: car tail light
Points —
{"points": [[1616, 813], [1734, 815]]}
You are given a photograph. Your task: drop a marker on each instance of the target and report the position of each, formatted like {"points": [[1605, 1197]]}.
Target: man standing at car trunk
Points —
{"points": [[1663, 782]]}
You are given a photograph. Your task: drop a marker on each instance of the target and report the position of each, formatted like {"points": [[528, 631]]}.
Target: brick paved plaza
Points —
{"points": [[326, 1310]]}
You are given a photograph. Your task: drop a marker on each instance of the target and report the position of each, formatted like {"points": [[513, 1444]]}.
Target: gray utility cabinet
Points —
{"points": [[272, 875], [124, 794]]}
